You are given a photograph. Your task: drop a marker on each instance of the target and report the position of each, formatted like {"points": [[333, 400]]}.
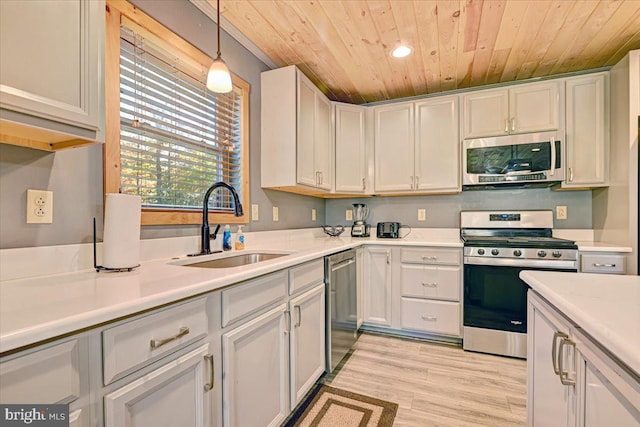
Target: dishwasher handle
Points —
{"points": [[342, 264]]}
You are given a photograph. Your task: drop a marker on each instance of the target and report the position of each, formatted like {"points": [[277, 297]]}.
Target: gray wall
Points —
{"points": [[75, 176], [443, 211]]}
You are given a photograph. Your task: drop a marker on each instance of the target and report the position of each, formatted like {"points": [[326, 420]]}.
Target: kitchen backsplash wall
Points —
{"points": [[443, 210], [75, 176]]}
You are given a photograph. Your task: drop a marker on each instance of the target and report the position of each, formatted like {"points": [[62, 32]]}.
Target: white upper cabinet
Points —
{"points": [[394, 145], [417, 146], [350, 148], [519, 109], [437, 145], [587, 123], [52, 72], [296, 134]]}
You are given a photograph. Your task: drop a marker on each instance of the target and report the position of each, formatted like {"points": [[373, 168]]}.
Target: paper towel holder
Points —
{"points": [[99, 268]]}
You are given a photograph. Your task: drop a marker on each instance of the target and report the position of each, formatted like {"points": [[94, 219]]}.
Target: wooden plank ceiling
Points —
{"points": [[344, 45]]}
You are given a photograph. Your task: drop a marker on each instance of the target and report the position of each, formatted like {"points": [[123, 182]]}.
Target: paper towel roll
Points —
{"points": [[121, 248]]}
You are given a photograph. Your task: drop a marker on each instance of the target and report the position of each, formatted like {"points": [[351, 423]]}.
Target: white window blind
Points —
{"points": [[176, 137]]}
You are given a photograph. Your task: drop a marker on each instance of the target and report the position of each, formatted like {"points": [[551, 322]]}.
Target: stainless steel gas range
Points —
{"points": [[497, 246]]}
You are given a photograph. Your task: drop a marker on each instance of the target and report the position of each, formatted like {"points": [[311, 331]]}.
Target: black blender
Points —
{"points": [[360, 228]]}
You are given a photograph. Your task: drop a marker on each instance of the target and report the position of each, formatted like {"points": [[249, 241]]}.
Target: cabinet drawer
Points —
{"points": [[306, 276], [422, 281], [46, 376], [439, 317], [611, 264], [131, 345], [431, 256], [246, 298]]}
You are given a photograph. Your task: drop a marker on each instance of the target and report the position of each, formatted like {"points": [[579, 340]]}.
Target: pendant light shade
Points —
{"points": [[218, 78]]}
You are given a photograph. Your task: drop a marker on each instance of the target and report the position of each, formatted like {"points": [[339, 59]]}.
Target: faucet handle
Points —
{"points": [[215, 232]]}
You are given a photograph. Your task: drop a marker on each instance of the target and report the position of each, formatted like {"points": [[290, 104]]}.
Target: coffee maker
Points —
{"points": [[360, 228]]}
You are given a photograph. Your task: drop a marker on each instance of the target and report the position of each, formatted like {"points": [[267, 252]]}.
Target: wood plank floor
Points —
{"points": [[436, 384]]}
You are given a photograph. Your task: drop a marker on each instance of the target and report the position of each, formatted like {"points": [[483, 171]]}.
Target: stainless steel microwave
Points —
{"points": [[534, 159]]}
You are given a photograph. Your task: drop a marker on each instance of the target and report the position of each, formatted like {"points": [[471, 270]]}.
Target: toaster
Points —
{"points": [[388, 230]]}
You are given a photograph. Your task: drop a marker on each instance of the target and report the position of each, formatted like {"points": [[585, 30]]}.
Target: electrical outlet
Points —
{"points": [[422, 214], [39, 207], [255, 212], [276, 214], [348, 215], [313, 214], [561, 212]]}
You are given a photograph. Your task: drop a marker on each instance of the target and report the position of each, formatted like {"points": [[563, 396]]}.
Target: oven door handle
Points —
{"points": [[536, 263]]}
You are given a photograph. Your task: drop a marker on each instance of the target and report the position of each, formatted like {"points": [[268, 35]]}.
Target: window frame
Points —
{"points": [[117, 13]]}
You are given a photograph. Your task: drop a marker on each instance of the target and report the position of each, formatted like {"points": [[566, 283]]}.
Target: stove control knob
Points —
{"points": [[542, 254], [480, 251], [556, 254], [517, 252], [494, 252]]}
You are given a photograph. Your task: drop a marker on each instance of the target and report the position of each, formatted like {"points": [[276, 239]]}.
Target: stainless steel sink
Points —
{"points": [[235, 260]]}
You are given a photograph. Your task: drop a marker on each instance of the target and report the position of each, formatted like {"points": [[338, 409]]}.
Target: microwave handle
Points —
{"points": [[553, 155]]}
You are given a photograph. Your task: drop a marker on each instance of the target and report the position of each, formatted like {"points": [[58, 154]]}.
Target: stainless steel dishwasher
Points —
{"points": [[342, 329]]}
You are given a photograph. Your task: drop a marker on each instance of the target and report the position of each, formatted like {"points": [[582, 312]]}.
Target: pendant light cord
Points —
{"points": [[218, 24]]}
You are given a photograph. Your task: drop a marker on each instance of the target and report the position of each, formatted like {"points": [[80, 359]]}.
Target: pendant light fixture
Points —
{"points": [[218, 78]]}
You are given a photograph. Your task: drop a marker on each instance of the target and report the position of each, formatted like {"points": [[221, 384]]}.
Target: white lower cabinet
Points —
{"points": [[176, 394], [570, 380], [377, 286], [255, 361], [440, 317], [273, 358], [308, 335]]}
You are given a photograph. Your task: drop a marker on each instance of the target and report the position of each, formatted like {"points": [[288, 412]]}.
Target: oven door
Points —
{"points": [[496, 298]]}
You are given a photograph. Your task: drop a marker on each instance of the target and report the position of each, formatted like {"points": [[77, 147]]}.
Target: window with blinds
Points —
{"points": [[176, 137]]}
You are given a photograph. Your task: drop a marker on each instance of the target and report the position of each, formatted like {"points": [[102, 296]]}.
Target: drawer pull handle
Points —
{"points": [[430, 285], [604, 265], [430, 258], [430, 318], [211, 383], [159, 343]]}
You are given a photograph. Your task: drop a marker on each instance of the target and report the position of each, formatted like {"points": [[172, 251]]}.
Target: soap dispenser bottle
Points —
{"points": [[226, 238], [239, 239]]}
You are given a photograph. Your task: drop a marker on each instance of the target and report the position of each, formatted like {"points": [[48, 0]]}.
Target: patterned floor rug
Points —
{"points": [[332, 407]]}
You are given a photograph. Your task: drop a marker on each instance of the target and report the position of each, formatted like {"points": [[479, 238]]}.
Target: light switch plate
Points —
{"points": [[422, 214], [39, 207], [313, 214], [255, 212], [276, 214]]}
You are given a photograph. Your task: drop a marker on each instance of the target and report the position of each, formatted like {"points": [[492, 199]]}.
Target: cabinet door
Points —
{"points": [[377, 286], [350, 148], [306, 172], [604, 406], [549, 402], [394, 147], [173, 395], [255, 379], [307, 341], [587, 132], [437, 145], [51, 65], [486, 113], [534, 107], [359, 286], [323, 143]]}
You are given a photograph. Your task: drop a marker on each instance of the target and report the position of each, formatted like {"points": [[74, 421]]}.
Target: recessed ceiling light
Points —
{"points": [[401, 51]]}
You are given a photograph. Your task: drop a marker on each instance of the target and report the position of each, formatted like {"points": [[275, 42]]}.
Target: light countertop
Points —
{"points": [[606, 307], [39, 308], [34, 309]]}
